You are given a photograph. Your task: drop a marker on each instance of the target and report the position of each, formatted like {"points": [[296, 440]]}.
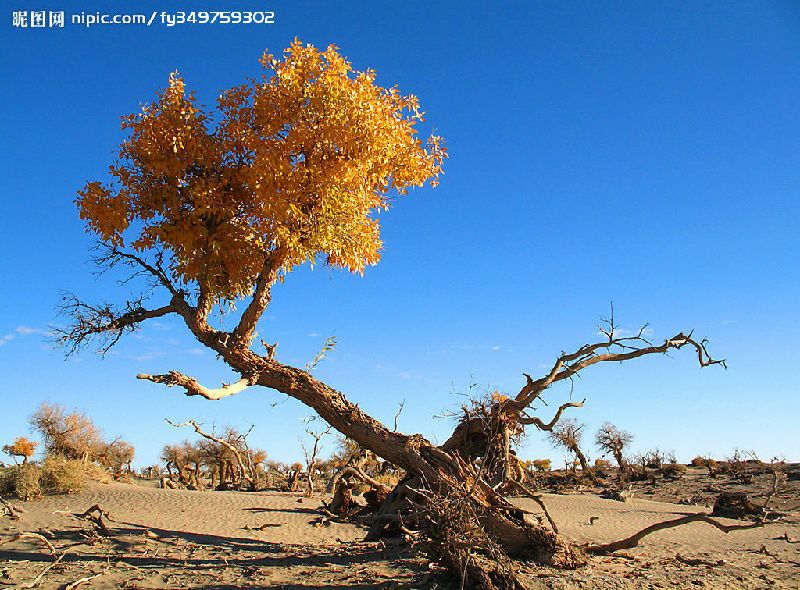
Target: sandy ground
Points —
{"points": [[224, 540]]}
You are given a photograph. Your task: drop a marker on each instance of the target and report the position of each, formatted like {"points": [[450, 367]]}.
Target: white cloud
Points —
{"points": [[27, 330]]}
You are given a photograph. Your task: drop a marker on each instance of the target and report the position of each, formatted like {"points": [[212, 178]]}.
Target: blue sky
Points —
{"points": [[645, 153]]}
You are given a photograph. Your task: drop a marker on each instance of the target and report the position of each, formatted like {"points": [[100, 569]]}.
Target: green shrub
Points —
{"points": [[63, 476]]}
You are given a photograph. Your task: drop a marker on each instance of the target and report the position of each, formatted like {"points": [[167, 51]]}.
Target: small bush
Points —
{"points": [[543, 465], [6, 480], [709, 464], [602, 464], [673, 470], [26, 481], [63, 476]]}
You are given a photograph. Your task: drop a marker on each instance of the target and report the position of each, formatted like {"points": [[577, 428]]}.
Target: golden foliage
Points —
{"points": [[294, 166], [21, 447], [542, 464]]}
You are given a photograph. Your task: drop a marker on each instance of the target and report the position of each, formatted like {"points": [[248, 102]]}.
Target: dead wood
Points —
{"points": [[84, 580], [35, 536], [699, 562], [633, 540], [536, 498], [439, 470], [95, 514], [35, 582], [735, 505], [10, 510]]}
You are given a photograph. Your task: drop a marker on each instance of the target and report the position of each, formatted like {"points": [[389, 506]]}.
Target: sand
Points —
{"points": [[225, 540]]}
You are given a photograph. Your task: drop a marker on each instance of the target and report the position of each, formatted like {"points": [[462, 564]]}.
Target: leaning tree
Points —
{"points": [[216, 207]]}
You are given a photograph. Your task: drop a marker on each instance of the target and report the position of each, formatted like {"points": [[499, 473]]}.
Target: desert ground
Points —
{"points": [[173, 538]]}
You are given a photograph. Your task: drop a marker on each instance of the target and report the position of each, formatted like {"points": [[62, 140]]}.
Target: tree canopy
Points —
{"points": [[291, 167]]}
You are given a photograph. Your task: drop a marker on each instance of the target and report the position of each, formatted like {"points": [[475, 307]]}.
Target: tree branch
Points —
{"points": [[193, 387], [103, 322], [616, 350], [262, 295], [112, 256], [527, 420]]}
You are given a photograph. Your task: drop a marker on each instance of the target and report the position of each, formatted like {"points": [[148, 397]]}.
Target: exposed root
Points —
{"points": [[85, 579], [538, 499], [633, 540], [36, 536]]}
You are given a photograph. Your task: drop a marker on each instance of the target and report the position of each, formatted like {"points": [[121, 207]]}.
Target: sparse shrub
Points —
{"points": [[673, 470], [602, 467], [706, 462], [542, 465], [602, 464], [26, 481], [735, 505], [654, 459], [63, 476]]}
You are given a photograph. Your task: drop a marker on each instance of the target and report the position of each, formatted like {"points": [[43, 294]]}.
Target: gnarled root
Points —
{"points": [[480, 541], [473, 531]]}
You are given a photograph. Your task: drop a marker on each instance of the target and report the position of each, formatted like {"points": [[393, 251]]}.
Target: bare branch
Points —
{"points": [[104, 322], [330, 344], [36, 536], [527, 420], [614, 349], [400, 407], [112, 256], [193, 387]]}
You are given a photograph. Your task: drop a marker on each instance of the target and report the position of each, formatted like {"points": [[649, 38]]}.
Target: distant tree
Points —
{"points": [[21, 447], [117, 456], [611, 440], [567, 434], [72, 435], [311, 454]]}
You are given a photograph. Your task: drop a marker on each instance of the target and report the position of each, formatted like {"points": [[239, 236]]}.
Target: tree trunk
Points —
{"points": [[585, 469], [441, 469], [294, 480]]}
